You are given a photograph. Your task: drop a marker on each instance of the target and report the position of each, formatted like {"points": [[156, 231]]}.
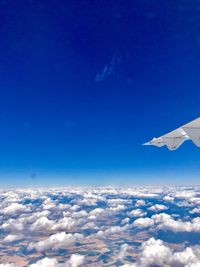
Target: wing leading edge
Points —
{"points": [[174, 139]]}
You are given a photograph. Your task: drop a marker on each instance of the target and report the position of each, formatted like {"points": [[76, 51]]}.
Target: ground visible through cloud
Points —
{"points": [[100, 226]]}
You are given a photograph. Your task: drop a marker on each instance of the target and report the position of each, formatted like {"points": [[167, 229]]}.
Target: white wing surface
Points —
{"points": [[155, 142], [193, 131], [176, 138]]}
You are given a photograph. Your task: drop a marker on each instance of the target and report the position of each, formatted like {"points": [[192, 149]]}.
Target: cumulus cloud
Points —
{"points": [[125, 220], [123, 251], [96, 211], [195, 210], [112, 230], [65, 223], [42, 223], [56, 241], [117, 201], [143, 222], [46, 262], [154, 252], [137, 213], [185, 194], [12, 225], [56, 219], [48, 204], [158, 207], [181, 226], [74, 261], [157, 253], [141, 192], [168, 198], [90, 225], [140, 202], [11, 238], [167, 222], [15, 208]]}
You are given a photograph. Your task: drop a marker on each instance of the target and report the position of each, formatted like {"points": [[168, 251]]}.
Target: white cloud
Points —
{"points": [[185, 204], [90, 225], [48, 204], [143, 222], [11, 238], [123, 251], [166, 222], [137, 213], [154, 252], [116, 229], [65, 223], [140, 202], [56, 241], [168, 198], [79, 214], [117, 201], [190, 257], [46, 262], [63, 207], [96, 211], [42, 223], [181, 226], [8, 265], [117, 208], [112, 230], [141, 192], [195, 210], [87, 202], [126, 220], [14, 208], [13, 225], [158, 207], [75, 261], [161, 218], [157, 253], [53, 216], [185, 194]]}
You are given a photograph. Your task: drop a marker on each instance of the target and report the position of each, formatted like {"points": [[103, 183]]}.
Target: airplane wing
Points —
{"points": [[192, 129], [176, 138], [155, 142]]}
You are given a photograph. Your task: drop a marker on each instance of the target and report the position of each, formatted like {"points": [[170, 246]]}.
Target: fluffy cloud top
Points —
{"points": [[156, 253], [137, 213], [56, 241], [14, 208], [143, 222], [74, 261], [167, 222], [11, 238], [158, 207]]}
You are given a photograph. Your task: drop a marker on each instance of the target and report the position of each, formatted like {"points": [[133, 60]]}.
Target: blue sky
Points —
{"points": [[58, 121]]}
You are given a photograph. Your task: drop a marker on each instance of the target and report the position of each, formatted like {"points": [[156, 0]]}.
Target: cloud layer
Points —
{"points": [[95, 226]]}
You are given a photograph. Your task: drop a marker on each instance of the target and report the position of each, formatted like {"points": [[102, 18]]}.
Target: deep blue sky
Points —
{"points": [[58, 121]]}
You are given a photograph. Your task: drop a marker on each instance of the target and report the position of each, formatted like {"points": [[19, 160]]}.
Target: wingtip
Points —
{"points": [[146, 144]]}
